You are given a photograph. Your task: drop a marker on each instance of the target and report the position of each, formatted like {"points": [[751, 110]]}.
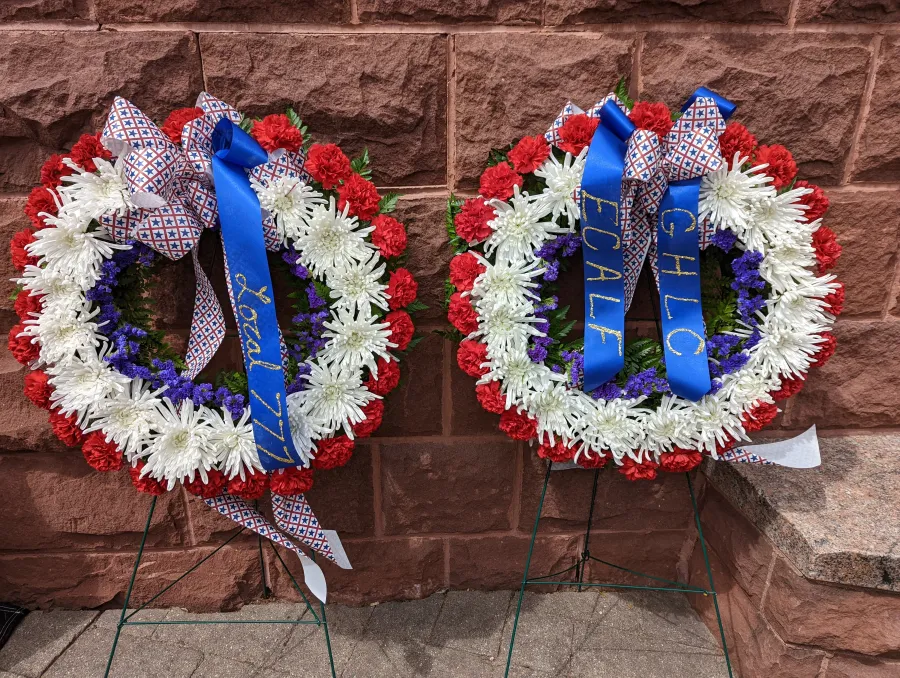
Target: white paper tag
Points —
{"points": [[313, 576], [801, 451]]}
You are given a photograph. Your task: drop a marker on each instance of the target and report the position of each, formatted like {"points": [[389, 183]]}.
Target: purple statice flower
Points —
{"points": [[724, 239], [292, 257], [575, 361], [746, 271], [644, 384], [722, 344], [608, 391], [748, 305]]}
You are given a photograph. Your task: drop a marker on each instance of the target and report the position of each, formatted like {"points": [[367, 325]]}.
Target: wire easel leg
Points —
{"points": [[537, 520], [712, 586], [586, 552], [137, 562]]}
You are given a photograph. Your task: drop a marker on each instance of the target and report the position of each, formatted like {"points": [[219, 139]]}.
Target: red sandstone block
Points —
{"points": [[595, 11], [447, 487], [857, 387], [389, 569], [468, 416], [879, 144], [513, 85], [56, 501], [23, 426], [847, 11], [44, 10], [12, 220], [70, 82], [387, 92], [847, 666], [492, 11], [802, 91], [414, 408], [256, 11], [654, 552], [831, 617], [499, 562], [342, 498]]}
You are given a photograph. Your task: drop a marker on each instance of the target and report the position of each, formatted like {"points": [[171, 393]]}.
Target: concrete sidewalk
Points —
{"points": [[460, 633]]}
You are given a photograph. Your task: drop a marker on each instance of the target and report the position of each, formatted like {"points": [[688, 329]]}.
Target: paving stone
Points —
{"points": [[544, 637], [472, 621], [406, 621], [217, 667], [640, 664], [40, 638], [109, 618]]}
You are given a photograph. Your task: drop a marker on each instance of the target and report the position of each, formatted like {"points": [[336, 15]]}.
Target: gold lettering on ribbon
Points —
{"points": [[667, 297], [608, 330], [605, 273], [671, 231], [600, 296], [701, 344], [678, 270], [250, 333], [241, 280], [280, 436], [600, 202], [586, 229]]}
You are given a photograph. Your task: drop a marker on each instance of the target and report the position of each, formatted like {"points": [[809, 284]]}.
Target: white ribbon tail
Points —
{"points": [[313, 576], [801, 451], [337, 548]]}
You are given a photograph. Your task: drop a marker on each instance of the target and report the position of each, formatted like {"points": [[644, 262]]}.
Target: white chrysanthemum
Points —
{"points": [[506, 327], [334, 397], [804, 301], [556, 409], [303, 431], [127, 418], [748, 386], [610, 425], [330, 240], [517, 229], [728, 195], [93, 194], [774, 219], [666, 427], [64, 334], [562, 179], [356, 340], [233, 443], [58, 291], [785, 348], [506, 282], [83, 384], [181, 449], [357, 288], [289, 201], [714, 421], [73, 249], [519, 375], [783, 265]]}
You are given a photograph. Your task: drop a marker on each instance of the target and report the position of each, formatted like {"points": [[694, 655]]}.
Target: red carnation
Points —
{"points": [[54, 170], [654, 117], [464, 268], [402, 328], [557, 452], [253, 487], [825, 350], [26, 304], [146, 484], [736, 139], [374, 411], [816, 202], [722, 448], [596, 460], [362, 196], [389, 236], [518, 425], [101, 455], [529, 154], [498, 181], [388, 377], [634, 471], [680, 460], [291, 481], [40, 200], [781, 165], [828, 251], [215, 484], [835, 301], [470, 357], [333, 452], [759, 417], [789, 387], [276, 131], [21, 258], [176, 121], [461, 314], [402, 288], [86, 149], [471, 223], [21, 347], [490, 397], [66, 428], [38, 389], [327, 164], [576, 133]]}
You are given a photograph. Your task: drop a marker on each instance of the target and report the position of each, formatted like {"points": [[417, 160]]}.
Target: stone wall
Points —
{"points": [[438, 498]]}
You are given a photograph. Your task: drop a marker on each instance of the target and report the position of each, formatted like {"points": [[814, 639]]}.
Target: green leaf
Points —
{"points": [[498, 155], [453, 335], [449, 291], [416, 306], [621, 91], [246, 124], [360, 165], [388, 202], [294, 118], [454, 206], [15, 292]]}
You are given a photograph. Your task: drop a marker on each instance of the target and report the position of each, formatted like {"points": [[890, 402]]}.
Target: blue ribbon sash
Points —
{"points": [[251, 292]]}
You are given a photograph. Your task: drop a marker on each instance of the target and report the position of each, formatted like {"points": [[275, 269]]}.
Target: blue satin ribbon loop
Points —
{"points": [[250, 288]]}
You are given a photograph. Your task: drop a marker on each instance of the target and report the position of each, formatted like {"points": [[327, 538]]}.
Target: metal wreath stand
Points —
{"points": [[125, 619], [585, 557]]}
